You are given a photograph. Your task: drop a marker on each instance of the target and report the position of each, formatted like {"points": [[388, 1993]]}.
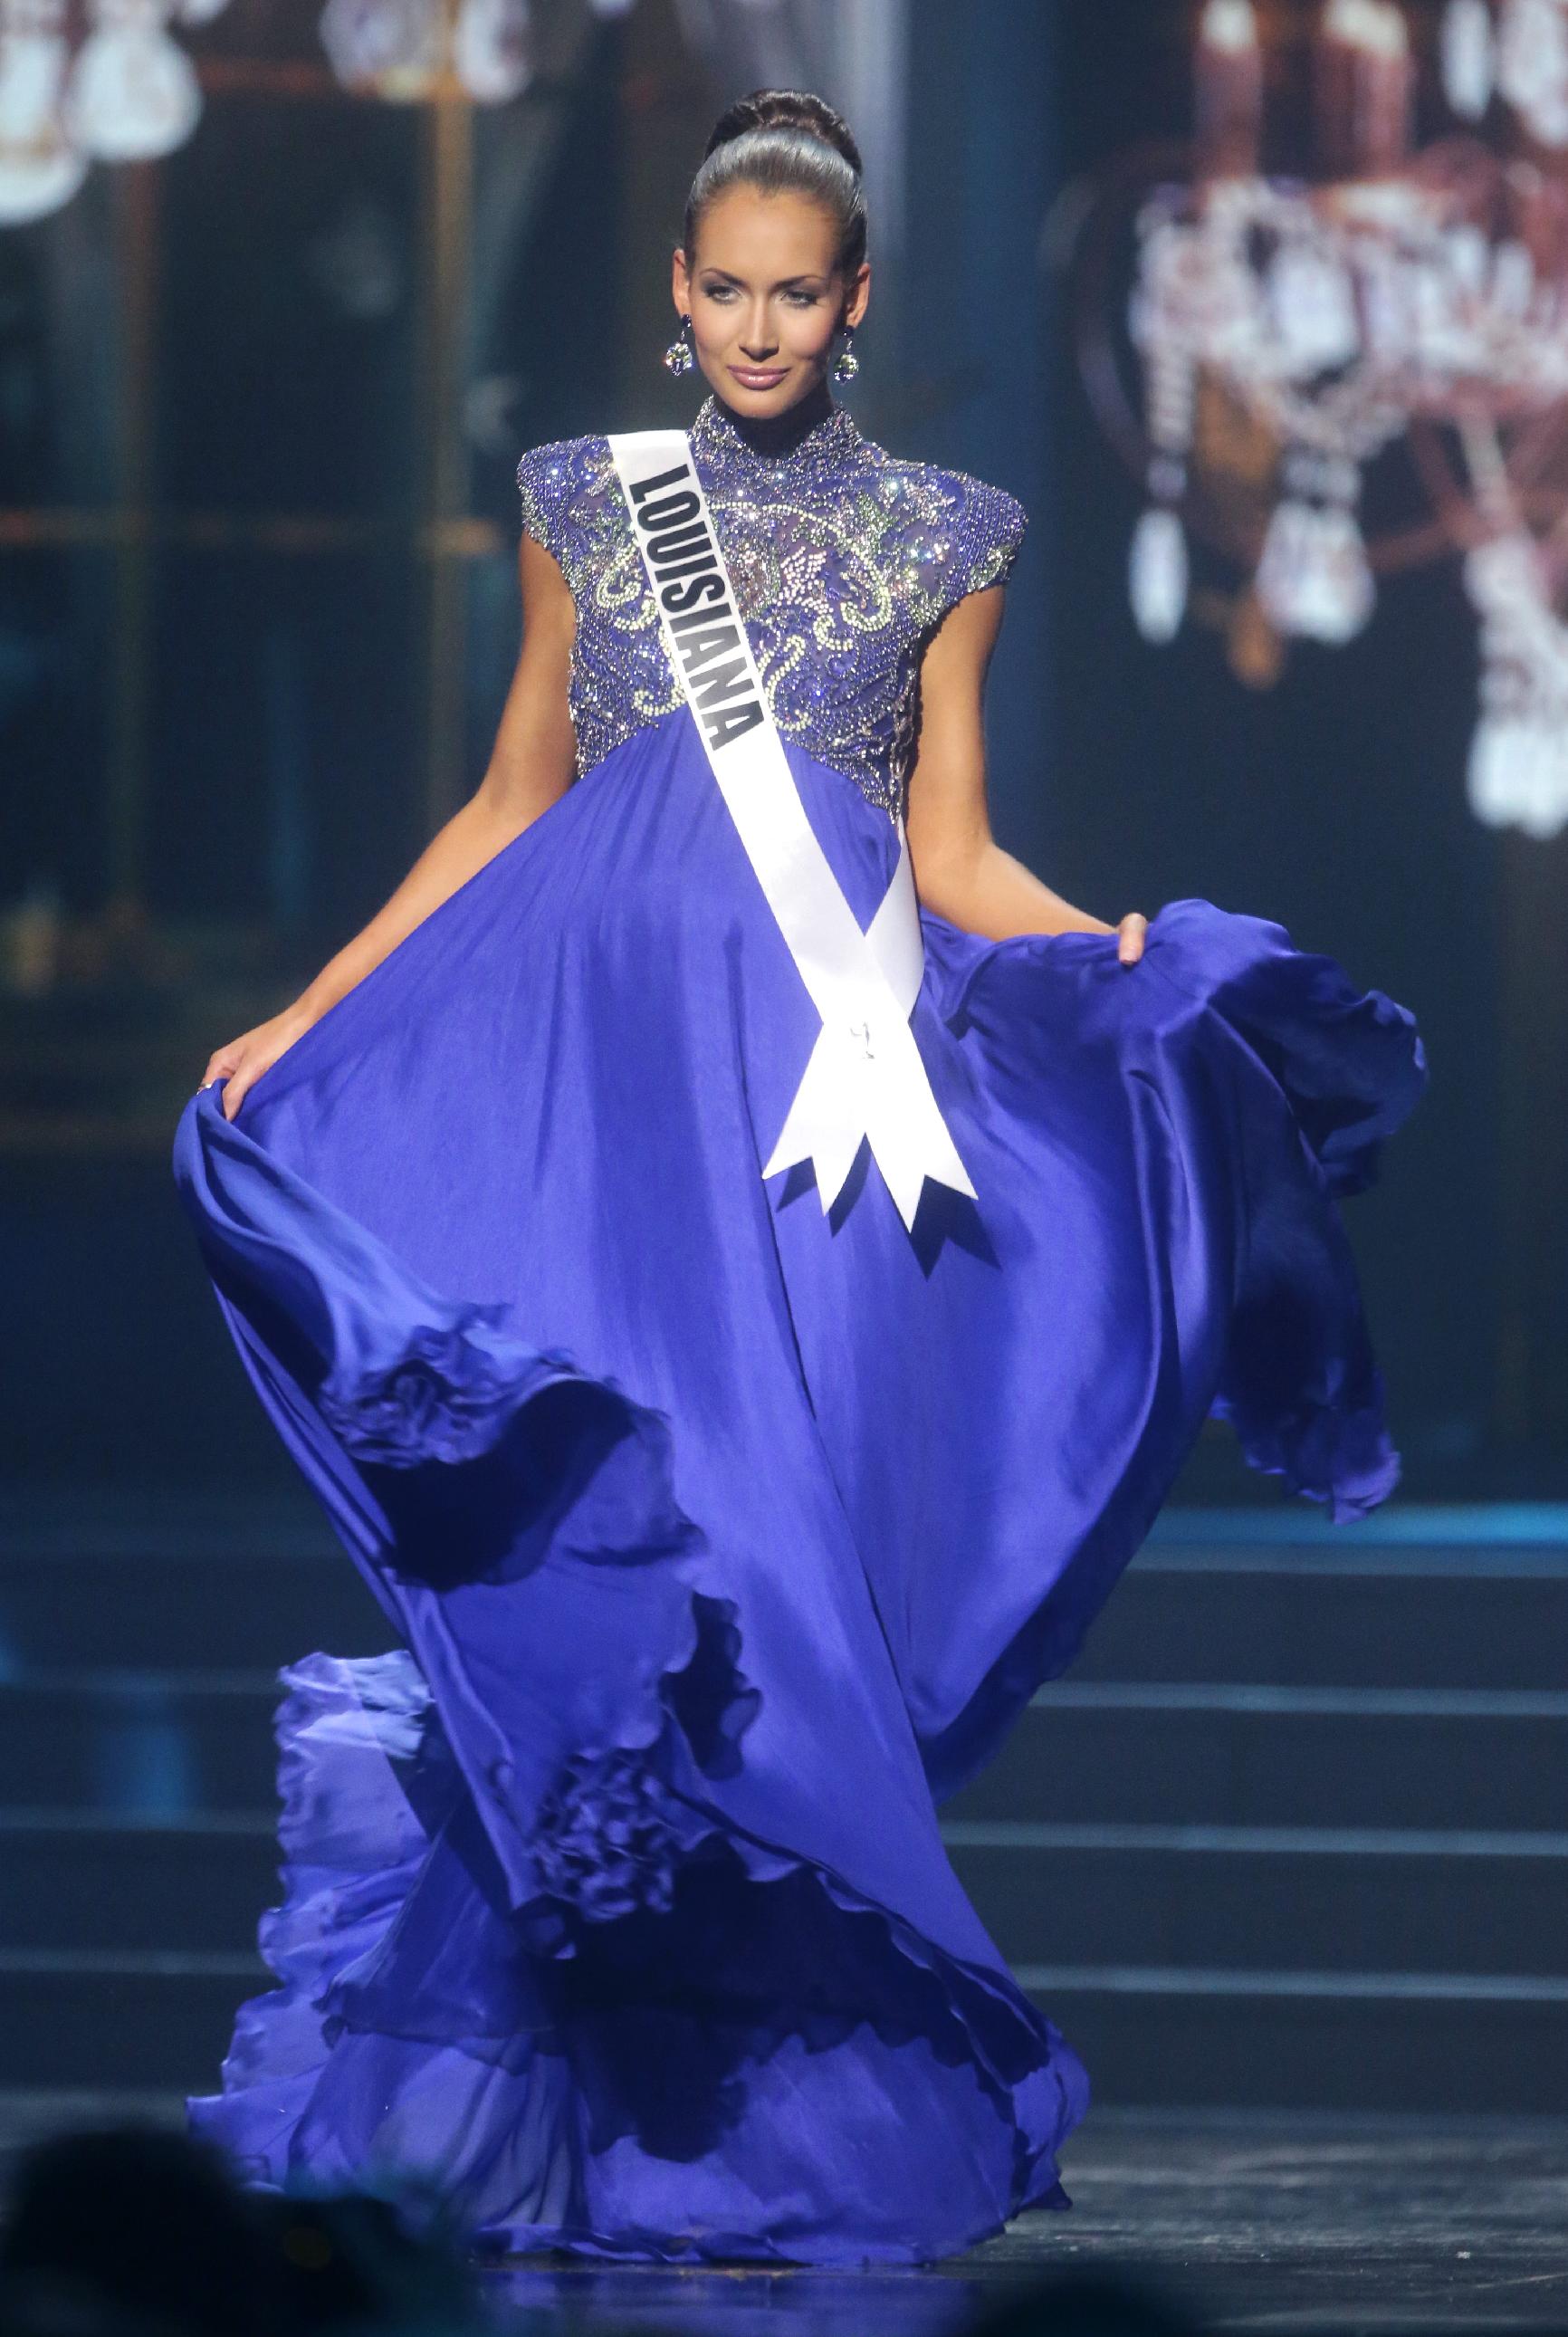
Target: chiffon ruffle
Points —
{"points": [[508, 2056], [723, 1538]]}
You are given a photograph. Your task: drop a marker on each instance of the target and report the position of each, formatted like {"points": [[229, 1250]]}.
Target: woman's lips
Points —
{"points": [[759, 377]]}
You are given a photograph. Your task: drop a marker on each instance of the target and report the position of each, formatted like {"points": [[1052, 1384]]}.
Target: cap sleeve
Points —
{"points": [[994, 533], [544, 487]]}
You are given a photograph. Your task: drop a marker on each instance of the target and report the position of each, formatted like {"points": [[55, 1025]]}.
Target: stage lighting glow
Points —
{"points": [[1288, 333], [129, 94], [1469, 57], [388, 48], [1532, 66], [40, 169], [132, 92], [489, 49]]}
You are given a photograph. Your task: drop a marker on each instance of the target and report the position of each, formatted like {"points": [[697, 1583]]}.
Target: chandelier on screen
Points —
{"points": [[1405, 302], [122, 89]]}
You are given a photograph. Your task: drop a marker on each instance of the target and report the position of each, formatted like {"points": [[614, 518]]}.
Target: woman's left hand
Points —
{"points": [[1130, 935]]}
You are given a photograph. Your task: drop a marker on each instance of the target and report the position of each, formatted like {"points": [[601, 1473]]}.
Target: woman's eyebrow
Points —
{"points": [[785, 284]]}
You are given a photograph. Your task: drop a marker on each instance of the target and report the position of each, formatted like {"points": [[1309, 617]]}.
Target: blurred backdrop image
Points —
{"points": [[1259, 310]]}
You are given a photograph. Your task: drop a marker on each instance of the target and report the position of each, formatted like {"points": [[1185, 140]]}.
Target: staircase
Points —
{"points": [[1293, 1831], [139, 1647]]}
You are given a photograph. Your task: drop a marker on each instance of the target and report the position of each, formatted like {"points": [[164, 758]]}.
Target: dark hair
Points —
{"points": [[786, 140]]}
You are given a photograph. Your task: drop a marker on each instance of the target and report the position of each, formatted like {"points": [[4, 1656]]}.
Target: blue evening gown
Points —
{"points": [[724, 1539]]}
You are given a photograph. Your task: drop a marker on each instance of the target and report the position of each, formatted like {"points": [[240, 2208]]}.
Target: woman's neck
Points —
{"points": [[778, 434]]}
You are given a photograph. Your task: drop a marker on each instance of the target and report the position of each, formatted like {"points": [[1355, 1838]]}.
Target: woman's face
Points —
{"points": [[765, 298]]}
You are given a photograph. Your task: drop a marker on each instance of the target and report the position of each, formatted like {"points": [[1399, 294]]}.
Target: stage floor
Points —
{"points": [[1249, 2222], [1241, 2222]]}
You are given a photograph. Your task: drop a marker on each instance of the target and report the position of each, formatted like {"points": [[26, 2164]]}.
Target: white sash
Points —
{"points": [[865, 1077]]}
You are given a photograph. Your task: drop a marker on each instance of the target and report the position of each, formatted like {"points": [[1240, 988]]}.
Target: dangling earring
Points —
{"points": [[680, 356], [846, 364]]}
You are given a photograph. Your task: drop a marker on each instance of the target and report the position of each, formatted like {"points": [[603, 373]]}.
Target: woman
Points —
{"points": [[727, 1528]]}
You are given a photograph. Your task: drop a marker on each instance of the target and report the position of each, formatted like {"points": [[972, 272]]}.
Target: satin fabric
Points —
{"points": [[724, 1538]]}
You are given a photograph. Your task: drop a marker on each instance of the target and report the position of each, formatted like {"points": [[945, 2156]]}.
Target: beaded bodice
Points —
{"points": [[845, 559]]}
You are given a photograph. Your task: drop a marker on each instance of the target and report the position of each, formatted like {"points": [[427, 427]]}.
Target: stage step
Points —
{"points": [[1285, 1897], [150, 1743], [200, 1609], [113, 2021], [1214, 1754], [134, 1885], [1356, 1614], [1452, 2045]]}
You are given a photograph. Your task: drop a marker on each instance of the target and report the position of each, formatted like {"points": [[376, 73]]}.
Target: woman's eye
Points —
{"points": [[726, 292]]}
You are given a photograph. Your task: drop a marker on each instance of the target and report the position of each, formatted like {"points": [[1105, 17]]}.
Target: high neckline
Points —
{"points": [[722, 436]]}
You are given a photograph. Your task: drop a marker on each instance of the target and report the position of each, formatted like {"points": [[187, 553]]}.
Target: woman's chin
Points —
{"points": [[762, 398]]}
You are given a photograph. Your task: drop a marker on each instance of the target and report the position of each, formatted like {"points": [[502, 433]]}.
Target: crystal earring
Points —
{"points": [[680, 356], [846, 364]]}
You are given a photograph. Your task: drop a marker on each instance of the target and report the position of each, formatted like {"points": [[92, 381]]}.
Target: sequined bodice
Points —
{"points": [[844, 561]]}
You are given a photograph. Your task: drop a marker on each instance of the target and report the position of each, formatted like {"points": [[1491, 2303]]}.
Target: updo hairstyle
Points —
{"points": [[785, 141]]}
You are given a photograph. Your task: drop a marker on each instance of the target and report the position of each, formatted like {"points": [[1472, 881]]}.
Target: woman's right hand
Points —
{"points": [[241, 1062]]}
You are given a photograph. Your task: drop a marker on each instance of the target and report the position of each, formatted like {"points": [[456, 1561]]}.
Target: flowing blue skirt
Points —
{"points": [[723, 1538]]}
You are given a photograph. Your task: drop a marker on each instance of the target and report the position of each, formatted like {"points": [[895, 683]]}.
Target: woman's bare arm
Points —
{"points": [[531, 767], [960, 870]]}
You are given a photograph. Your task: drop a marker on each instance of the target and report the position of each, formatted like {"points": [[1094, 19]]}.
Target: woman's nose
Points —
{"points": [[759, 340]]}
